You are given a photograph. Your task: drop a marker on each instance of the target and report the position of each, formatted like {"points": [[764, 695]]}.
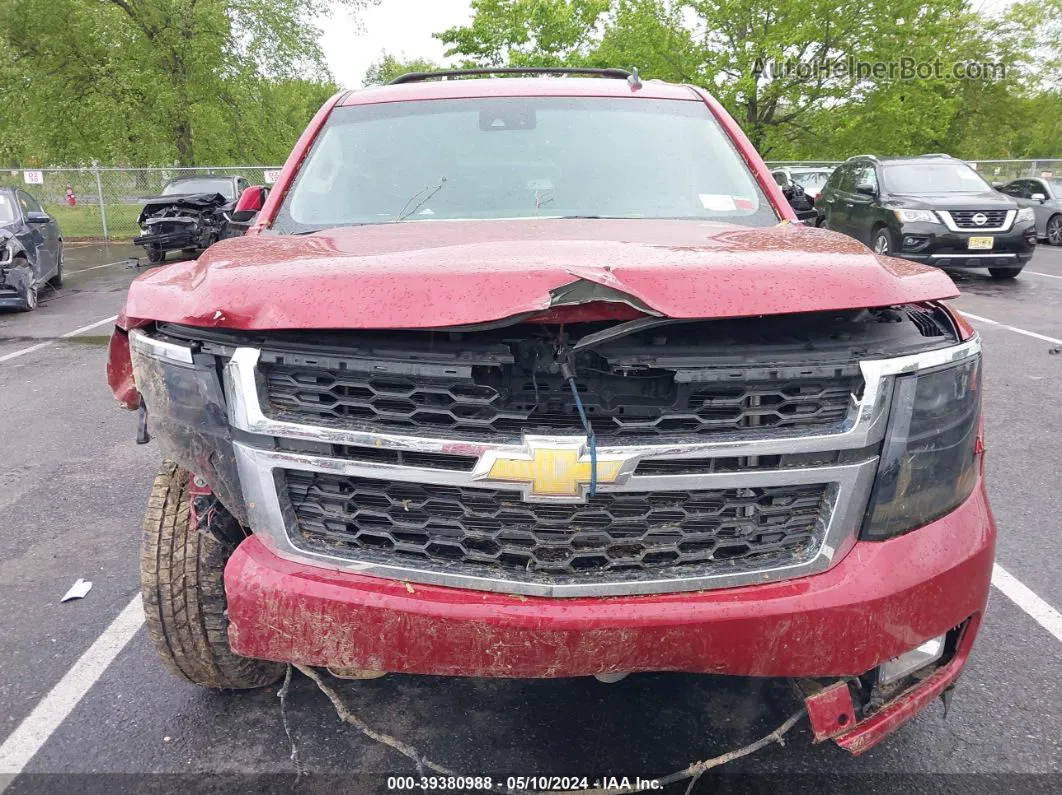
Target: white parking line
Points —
{"points": [[15, 354], [54, 708], [1041, 612], [1015, 329], [1048, 275]]}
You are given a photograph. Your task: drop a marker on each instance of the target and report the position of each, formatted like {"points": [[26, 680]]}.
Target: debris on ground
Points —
{"points": [[692, 773], [77, 591]]}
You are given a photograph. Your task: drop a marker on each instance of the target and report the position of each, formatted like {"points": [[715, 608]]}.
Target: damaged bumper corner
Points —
{"points": [[16, 281], [832, 711]]}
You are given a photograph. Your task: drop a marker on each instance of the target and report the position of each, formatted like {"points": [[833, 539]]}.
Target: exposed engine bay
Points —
{"points": [[189, 223]]}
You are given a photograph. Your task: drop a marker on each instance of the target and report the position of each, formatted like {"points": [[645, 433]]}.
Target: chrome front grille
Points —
{"points": [[619, 535], [680, 513], [506, 402], [968, 219]]}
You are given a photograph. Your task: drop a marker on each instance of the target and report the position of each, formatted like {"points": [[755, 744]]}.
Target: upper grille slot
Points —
{"points": [[505, 402], [964, 218]]}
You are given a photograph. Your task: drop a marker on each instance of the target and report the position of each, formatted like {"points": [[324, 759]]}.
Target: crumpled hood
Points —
{"points": [[430, 274]]}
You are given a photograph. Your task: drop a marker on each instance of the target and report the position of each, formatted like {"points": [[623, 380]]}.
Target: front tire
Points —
{"points": [[1004, 273], [882, 242], [155, 255], [29, 300], [183, 588]]}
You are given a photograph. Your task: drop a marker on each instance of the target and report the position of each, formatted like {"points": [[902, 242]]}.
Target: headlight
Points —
{"points": [[1025, 214], [178, 390], [929, 461], [917, 216], [6, 255]]}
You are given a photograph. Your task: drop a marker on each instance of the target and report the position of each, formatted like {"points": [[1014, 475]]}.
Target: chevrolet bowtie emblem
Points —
{"points": [[551, 470]]}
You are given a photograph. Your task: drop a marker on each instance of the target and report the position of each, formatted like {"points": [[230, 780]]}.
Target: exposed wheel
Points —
{"points": [[30, 299], [882, 242], [1054, 230], [1004, 273], [57, 280], [155, 254], [181, 580]]}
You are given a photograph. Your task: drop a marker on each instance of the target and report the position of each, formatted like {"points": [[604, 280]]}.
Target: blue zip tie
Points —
{"points": [[591, 440]]}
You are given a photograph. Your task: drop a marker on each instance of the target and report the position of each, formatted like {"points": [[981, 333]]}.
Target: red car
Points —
{"points": [[537, 377]]}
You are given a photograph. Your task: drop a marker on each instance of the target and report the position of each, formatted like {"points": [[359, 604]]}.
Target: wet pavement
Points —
{"points": [[72, 490]]}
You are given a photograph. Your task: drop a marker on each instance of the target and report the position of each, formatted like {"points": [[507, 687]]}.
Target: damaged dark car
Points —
{"points": [[31, 250], [190, 215]]}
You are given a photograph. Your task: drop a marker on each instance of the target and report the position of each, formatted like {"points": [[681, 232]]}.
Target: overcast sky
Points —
{"points": [[401, 27]]}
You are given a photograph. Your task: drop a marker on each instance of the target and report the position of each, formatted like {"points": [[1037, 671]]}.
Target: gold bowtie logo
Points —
{"points": [[552, 471]]}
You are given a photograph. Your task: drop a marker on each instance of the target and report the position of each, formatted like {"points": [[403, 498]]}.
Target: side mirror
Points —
{"points": [[807, 215], [252, 199], [37, 218], [1038, 197], [866, 189], [999, 186]]}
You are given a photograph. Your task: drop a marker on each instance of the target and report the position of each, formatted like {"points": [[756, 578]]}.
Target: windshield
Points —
{"points": [[8, 214], [520, 157], [222, 185], [933, 178], [811, 181], [1056, 186]]}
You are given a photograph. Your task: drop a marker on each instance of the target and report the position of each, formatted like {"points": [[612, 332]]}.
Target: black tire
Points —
{"points": [[881, 242], [57, 280], [30, 301], [1004, 273], [181, 581], [155, 255], [1054, 230]]}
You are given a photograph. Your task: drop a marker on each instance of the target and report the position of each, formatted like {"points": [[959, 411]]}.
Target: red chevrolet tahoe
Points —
{"points": [[538, 377]]}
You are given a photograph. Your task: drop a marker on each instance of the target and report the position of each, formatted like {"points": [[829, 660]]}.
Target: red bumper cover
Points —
{"points": [[881, 600]]}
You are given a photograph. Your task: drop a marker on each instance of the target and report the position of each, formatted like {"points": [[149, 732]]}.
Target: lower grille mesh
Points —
{"points": [[611, 536]]}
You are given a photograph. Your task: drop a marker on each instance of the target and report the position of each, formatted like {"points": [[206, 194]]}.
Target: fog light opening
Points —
{"points": [[911, 661]]}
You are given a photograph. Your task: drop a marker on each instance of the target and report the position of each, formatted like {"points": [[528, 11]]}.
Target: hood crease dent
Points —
{"points": [[441, 274]]}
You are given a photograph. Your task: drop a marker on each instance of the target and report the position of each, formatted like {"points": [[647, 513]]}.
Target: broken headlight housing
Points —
{"points": [[929, 461]]}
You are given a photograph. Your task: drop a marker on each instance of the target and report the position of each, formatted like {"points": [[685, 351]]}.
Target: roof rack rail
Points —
{"points": [[864, 157], [417, 77], [937, 154]]}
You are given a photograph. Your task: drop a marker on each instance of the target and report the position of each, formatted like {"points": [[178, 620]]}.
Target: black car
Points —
{"points": [[932, 209], [190, 215], [31, 249]]}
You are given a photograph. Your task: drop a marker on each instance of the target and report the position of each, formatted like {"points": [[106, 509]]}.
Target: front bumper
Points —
{"points": [[881, 600], [944, 248]]}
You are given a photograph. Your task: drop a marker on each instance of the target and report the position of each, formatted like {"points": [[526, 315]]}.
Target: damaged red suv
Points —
{"points": [[537, 377]]}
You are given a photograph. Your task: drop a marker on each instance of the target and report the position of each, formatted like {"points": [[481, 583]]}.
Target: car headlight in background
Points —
{"points": [[929, 461], [917, 216], [1025, 214]]}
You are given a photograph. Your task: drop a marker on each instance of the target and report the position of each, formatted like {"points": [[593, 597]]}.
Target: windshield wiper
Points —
{"points": [[424, 195]]}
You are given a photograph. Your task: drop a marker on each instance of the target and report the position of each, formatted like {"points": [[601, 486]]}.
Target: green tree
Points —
{"points": [[388, 67], [156, 81]]}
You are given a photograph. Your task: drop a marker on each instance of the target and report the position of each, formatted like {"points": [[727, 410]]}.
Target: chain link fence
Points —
{"points": [[994, 171], [107, 201]]}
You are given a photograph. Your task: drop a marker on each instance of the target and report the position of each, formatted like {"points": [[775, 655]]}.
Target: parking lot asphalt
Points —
{"points": [[73, 486]]}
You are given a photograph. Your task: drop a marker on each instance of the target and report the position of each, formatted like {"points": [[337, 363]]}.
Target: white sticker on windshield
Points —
{"points": [[717, 202]]}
